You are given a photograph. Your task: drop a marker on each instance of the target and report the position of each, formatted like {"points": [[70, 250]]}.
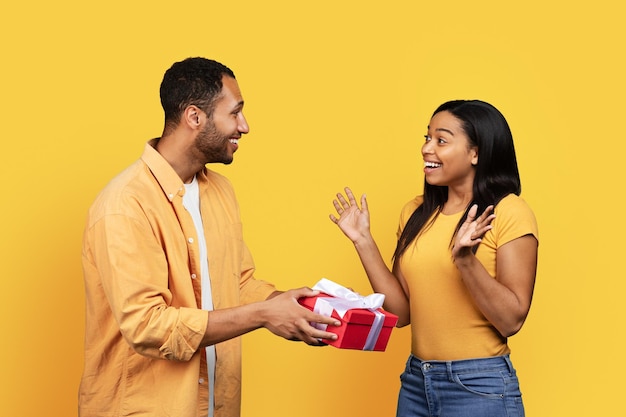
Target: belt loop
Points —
{"points": [[507, 359], [410, 364], [449, 371]]}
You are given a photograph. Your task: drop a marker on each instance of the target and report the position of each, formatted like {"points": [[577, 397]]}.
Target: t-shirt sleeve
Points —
{"points": [[514, 219], [406, 213]]}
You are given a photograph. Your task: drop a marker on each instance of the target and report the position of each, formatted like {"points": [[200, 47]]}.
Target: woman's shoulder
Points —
{"points": [[514, 214], [414, 203], [513, 202], [410, 207]]}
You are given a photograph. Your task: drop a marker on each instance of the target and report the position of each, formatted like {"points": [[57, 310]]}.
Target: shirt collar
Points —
{"points": [[168, 179]]}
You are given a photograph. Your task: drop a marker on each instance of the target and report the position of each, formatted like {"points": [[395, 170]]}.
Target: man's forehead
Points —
{"points": [[230, 94]]}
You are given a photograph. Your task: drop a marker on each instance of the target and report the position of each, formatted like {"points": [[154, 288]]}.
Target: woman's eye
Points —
{"points": [[428, 138]]}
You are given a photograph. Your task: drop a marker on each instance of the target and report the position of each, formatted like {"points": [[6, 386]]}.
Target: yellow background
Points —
{"points": [[337, 93]]}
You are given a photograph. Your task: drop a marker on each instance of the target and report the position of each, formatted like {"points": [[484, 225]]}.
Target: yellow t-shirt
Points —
{"points": [[445, 323]]}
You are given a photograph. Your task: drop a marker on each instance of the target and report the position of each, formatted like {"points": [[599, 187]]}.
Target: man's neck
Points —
{"points": [[175, 150]]}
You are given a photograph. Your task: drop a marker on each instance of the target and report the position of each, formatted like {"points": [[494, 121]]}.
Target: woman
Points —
{"points": [[463, 282]]}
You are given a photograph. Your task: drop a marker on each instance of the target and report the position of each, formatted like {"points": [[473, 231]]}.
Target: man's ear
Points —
{"points": [[192, 117]]}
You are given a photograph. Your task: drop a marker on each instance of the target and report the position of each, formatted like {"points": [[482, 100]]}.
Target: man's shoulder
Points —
{"points": [[216, 180], [129, 184], [130, 179], [215, 176]]}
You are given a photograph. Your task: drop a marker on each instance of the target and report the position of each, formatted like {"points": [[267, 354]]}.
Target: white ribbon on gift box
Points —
{"points": [[344, 300]]}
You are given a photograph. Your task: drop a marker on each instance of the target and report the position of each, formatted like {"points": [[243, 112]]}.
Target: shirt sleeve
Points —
{"points": [[133, 272], [514, 219], [406, 213], [252, 289]]}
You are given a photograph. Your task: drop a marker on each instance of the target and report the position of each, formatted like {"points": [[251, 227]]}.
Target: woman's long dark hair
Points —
{"points": [[496, 172]]}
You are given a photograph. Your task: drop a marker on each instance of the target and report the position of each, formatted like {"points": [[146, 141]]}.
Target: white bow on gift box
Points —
{"points": [[343, 300]]}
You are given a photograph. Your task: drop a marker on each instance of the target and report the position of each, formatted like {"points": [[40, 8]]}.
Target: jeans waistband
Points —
{"points": [[464, 365]]}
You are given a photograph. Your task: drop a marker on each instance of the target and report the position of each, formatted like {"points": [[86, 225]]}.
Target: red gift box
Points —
{"points": [[355, 327]]}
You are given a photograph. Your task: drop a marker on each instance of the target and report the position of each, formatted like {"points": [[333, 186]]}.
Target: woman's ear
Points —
{"points": [[474, 156]]}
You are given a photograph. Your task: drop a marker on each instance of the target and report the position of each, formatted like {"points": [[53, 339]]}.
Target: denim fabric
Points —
{"points": [[486, 387]]}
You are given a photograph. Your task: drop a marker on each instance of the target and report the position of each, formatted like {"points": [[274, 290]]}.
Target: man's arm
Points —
{"points": [[280, 313]]}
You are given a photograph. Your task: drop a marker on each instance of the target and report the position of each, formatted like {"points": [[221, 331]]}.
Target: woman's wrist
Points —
{"points": [[463, 257], [363, 241]]}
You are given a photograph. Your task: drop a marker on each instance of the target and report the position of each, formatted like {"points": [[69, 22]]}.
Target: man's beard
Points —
{"points": [[213, 145]]}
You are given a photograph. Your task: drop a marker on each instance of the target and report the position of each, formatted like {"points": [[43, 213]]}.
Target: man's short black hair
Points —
{"points": [[193, 81]]}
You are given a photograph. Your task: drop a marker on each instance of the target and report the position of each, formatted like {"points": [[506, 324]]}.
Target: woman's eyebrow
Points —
{"points": [[443, 129]]}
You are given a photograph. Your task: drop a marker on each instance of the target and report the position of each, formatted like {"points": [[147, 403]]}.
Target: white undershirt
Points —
{"points": [[191, 202]]}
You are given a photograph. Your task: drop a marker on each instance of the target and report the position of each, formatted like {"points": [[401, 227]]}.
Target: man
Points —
{"points": [[169, 281]]}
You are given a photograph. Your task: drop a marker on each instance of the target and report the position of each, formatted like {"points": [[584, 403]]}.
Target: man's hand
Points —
{"points": [[285, 317]]}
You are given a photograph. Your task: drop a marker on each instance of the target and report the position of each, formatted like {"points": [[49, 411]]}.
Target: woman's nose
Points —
{"points": [[426, 148]]}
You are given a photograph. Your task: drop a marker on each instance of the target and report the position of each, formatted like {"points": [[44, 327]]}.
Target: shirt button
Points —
{"points": [[201, 381], [170, 196], [190, 240], [193, 276]]}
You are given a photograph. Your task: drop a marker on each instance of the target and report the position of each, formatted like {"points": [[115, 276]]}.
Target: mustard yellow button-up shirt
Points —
{"points": [[142, 285]]}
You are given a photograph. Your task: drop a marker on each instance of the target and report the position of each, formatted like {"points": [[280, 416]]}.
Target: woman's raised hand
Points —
{"points": [[472, 230], [353, 221]]}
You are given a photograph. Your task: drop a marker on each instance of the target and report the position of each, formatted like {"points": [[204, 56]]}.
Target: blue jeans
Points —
{"points": [[466, 388]]}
